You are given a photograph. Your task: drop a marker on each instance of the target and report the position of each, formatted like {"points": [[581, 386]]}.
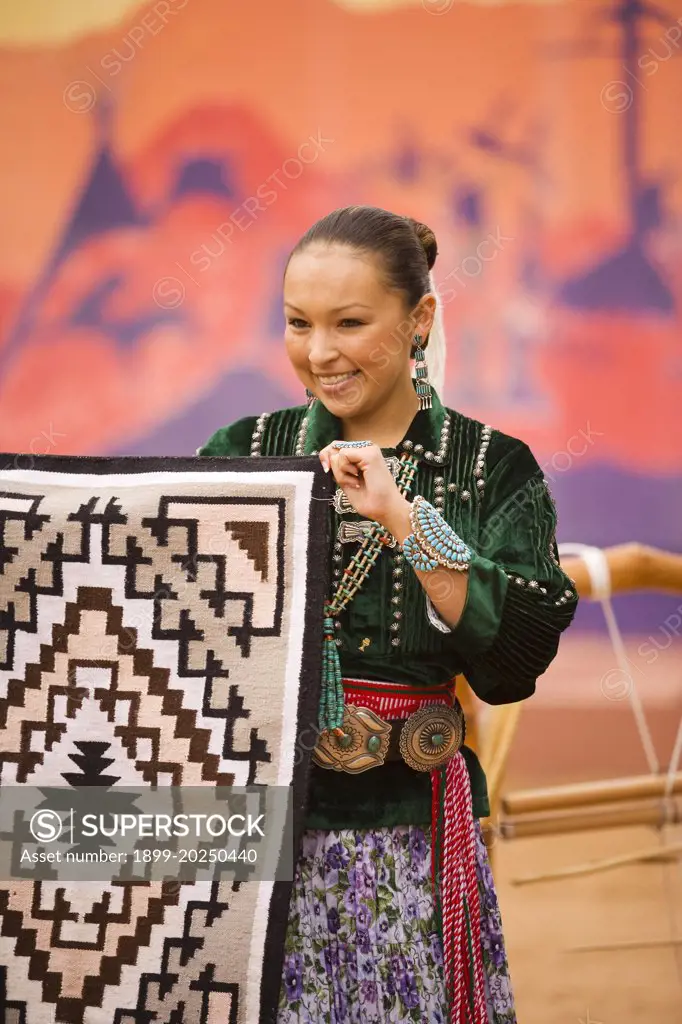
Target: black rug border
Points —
{"points": [[165, 464], [317, 586]]}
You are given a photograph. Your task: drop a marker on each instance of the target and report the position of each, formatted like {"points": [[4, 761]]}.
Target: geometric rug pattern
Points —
{"points": [[160, 624]]}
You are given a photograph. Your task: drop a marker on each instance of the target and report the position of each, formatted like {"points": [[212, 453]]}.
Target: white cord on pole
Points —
{"points": [[600, 579]]}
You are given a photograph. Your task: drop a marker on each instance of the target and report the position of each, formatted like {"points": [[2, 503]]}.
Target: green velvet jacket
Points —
{"points": [[492, 492]]}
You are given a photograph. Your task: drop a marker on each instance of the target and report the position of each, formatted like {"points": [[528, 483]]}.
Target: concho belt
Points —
{"points": [[427, 739]]}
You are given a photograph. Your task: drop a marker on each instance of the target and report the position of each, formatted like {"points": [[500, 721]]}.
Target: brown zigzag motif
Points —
{"points": [[145, 642], [152, 681], [21, 924], [253, 538]]}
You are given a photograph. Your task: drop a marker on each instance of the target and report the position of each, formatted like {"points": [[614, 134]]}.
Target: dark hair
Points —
{"points": [[407, 248]]}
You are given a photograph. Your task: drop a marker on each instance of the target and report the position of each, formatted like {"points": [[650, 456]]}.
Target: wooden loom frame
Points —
{"points": [[647, 800]]}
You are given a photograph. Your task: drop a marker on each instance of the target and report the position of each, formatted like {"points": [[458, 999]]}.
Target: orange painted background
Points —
{"points": [[156, 170]]}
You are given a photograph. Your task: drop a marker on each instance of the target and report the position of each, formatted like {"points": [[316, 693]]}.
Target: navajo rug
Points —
{"points": [[160, 619]]}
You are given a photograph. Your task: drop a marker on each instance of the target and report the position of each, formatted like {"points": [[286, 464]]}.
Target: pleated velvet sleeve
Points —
{"points": [[519, 600]]}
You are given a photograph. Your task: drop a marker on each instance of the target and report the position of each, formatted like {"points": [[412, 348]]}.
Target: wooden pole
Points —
{"points": [[655, 813], [588, 794], [631, 567], [591, 867], [627, 944], [496, 752], [492, 720], [496, 745], [466, 698]]}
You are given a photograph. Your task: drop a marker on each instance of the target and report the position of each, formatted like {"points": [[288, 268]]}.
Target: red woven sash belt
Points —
{"points": [[453, 848]]}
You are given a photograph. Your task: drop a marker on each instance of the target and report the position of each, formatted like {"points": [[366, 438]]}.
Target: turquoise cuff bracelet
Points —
{"points": [[433, 543]]}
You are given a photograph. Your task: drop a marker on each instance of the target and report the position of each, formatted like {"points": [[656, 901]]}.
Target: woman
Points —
{"points": [[444, 561]]}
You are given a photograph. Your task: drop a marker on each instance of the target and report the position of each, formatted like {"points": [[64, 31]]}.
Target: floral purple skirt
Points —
{"points": [[362, 947]]}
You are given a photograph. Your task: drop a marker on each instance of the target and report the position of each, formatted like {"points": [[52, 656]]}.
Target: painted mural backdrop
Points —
{"points": [[159, 159]]}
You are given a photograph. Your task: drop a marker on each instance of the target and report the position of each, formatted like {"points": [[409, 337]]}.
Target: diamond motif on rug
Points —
{"points": [[152, 629]]}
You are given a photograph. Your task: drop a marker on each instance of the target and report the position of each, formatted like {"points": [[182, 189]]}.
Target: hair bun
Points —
{"points": [[427, 239]]}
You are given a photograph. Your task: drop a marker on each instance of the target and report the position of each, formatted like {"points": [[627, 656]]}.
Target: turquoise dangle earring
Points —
{"points": [[422, 386], [310, 397]]}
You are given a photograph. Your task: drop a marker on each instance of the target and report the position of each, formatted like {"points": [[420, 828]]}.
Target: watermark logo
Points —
{"points": [[618, 95], [100, 833], [46, 826], [438, 6], [81, 95], [169, 291], [616, 684]]}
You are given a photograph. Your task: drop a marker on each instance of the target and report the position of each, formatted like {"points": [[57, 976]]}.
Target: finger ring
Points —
{"points": [[351, 444]]}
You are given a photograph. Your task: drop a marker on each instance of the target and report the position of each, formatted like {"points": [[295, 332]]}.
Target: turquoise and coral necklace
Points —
{"points": [[353, 577]]}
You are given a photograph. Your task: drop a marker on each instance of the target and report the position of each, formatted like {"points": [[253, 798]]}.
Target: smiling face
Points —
{"points": [[348, 335]]}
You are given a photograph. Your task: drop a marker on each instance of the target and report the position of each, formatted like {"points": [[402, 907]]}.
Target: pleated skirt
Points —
{"points": [[362, 945]]}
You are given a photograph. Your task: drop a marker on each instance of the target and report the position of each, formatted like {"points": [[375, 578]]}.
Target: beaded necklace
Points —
{"points": [[352, 579]]}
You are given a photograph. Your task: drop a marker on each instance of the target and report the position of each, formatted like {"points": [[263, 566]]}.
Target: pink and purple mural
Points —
{"points": [[159, 162]]}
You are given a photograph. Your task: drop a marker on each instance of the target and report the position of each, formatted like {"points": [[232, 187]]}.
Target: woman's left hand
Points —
{"points": [[368, 484]]}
